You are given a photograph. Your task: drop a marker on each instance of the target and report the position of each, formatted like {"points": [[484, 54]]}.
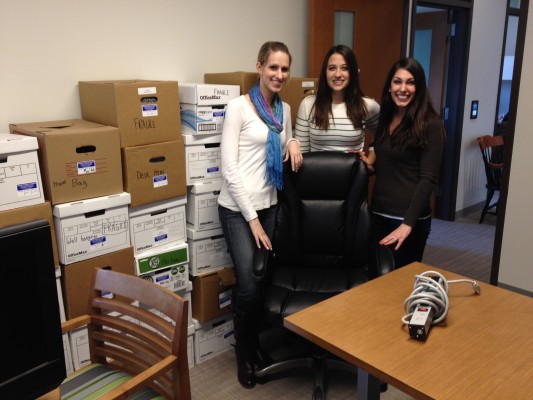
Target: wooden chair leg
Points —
{"points": [[490, 193]]}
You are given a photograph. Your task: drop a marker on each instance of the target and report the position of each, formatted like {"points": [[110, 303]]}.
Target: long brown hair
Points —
{"points": [[412, 129], [353, 95]]}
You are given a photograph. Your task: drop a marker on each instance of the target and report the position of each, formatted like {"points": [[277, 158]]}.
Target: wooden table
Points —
{"points": [[483, 349]]}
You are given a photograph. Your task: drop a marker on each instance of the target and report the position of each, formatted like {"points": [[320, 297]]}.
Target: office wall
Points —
{"points": [[46, 47], [516, 261], [488, 26]]}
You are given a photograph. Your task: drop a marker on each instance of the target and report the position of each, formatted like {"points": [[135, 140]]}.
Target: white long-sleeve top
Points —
{"points": [[341, 135], [243, 159]]}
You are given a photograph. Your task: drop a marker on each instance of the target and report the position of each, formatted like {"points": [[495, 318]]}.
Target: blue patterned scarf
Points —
{"points": [[273, 118]]}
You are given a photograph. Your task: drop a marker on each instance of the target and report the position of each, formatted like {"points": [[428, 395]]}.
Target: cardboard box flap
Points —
{"points": [[13, 143], [86, 206], [214, 138], [206, 187], [226, 276], [207, 234], [157, 206], [121, 81], [68, 126], [207, 94]]}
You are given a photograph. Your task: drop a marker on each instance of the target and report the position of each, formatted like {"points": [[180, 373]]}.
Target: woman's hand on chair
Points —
{"points": [[260, 236], [295, 154]]}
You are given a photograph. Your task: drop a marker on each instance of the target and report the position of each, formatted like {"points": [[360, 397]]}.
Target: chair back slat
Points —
{"points": [[136, 324]]}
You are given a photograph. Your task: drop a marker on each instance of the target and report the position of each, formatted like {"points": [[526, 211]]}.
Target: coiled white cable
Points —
{"points": [[431, 290]]}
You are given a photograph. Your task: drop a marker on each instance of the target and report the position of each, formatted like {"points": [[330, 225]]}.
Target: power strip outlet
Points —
{"points": [[420, 323]]}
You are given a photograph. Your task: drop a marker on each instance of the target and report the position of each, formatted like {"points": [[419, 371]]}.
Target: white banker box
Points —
{"points": [[202, 206], [20, 175], [158, 224], [92, 227], [202, 158], [203, 106], [213, 338], [208, 251]]}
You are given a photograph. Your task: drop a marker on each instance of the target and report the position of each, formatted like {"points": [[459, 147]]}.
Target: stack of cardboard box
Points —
{"points": [[82, 181], [202, 110], [153, 167]]}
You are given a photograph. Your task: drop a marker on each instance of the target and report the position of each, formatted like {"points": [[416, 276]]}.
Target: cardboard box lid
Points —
{"points": [[97, 203], [60, 127], [206, 234], [164, 256], [213, 323], [206, 187], [191, 140], [226, 276], [157, 206], [14, 143], [124, 82], [246, 80], [204, 94]]}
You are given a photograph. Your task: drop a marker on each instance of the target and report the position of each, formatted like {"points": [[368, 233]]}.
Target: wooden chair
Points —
{"points": [[492, 152], [138, 341]]}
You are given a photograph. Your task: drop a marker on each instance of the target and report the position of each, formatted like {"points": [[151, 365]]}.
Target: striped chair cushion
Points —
{"points": [[96, 380]]}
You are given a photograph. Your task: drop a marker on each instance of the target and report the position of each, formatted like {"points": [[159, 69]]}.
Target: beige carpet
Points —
{"points": [[217, 379]]}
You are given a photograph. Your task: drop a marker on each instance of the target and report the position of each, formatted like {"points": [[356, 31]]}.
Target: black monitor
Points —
{"points": [[32, 353]]}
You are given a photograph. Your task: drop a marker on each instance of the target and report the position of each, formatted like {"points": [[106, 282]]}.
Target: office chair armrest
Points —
{"points": [[141, 380], [260, 262], [74, 323], [383, 261]]}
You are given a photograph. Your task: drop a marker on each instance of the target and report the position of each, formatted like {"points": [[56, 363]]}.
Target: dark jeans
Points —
{"points": [[412, 248], [241, 245]]}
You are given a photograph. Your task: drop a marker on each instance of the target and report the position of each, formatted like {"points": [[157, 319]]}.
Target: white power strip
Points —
{"points": [[430, 292]]}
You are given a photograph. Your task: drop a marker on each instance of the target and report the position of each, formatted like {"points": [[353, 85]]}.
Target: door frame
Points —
{"points": [[446, 196], [509, 138]]}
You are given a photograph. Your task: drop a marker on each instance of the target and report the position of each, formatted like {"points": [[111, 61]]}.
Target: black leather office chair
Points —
{"points": [[322, 247]]}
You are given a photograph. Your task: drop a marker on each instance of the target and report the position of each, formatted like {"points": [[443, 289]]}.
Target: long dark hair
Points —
{"points": [[353, 97], [412, 129]]}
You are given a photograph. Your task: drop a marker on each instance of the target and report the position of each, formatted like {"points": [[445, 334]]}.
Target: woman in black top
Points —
{"points": [[408, 143]]}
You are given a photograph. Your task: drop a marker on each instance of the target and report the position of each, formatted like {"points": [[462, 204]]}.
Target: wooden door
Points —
{"points": [[378, 29]]}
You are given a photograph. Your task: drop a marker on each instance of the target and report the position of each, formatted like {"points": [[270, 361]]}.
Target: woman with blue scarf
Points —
{"points": [[256, 139]]}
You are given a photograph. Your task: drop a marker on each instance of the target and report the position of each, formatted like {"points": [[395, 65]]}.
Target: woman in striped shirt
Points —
{"points": [[336, 117]]}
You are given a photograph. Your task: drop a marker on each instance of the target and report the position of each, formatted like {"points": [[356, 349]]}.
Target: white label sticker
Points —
{"points": [[27, 189], [86, 167], [160, 180], [224, 299], [146, 90], [149, 110], [98, 243]]}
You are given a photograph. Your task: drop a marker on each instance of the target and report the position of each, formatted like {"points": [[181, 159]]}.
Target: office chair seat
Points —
{"points": [[101, 379]]}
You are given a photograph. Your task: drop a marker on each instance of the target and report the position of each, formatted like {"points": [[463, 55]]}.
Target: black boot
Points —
{"points": [[244, 351]]}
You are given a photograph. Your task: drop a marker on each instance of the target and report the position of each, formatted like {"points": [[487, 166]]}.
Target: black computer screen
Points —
{"points": [[31, 344]]}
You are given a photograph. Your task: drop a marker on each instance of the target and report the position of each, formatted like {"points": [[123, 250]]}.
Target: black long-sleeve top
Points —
{"points": [[405, 178]]}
